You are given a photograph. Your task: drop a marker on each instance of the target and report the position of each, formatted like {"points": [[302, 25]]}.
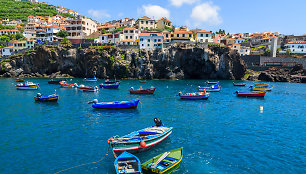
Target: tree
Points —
{"points": [[19, 36], [288, 52], [4, 38], [245, 41], [278, 50], [62, 34], [267, 52]]}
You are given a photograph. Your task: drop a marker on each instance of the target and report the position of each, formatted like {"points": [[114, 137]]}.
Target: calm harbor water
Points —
{"points": [[224, 134]]}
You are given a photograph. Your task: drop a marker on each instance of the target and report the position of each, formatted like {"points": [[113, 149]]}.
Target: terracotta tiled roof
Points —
{"points": [[182, 32], [149, 34], [165, 19], [127, 40], [145, 17], [9, 30], [9, 47], [203, 31], [297, 42], [129, 28], [236, 44]]}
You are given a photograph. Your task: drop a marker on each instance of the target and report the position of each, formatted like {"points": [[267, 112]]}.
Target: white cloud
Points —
{"points": [[179, 3], [98, 14], [206, 13], [154, 11]]}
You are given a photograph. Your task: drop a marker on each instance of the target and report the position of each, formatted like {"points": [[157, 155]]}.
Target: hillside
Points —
{"points": [[20, 10]]}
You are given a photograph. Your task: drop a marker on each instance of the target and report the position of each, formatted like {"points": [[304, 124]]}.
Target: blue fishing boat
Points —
{"points": [[140, 140], [127, 163], [214, 88], [194, 96], [132, 104], [110, 86], [27, 85], [94, 79], [110, 82], [49, 98]]}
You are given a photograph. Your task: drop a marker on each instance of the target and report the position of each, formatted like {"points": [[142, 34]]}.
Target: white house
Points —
{"points": [[7, 51], [296, 47], [29, 34], [240, 40], [204, 36], [242, 50], [130, 35], [150, 41], [9, 32]]}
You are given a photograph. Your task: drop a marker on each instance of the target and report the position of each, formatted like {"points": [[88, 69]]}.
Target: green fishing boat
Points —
{"points": [[164, 163]]}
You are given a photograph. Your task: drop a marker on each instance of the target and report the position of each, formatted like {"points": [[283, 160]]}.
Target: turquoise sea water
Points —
{"points": [[224, 134]]}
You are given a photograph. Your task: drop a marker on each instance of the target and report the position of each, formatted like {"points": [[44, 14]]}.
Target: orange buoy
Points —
{"points": [[110, 140], [142, 144]]}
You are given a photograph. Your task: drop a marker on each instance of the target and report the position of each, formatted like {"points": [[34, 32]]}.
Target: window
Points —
{"points": [[141, 22], [125, 31], [126, 37], [159, 40], [147, 22], [183, 35], [246, 50], [293, 50], [201, 35], [292, 46], [149, 40], [234, 46], [206, 35], [177, 35], [155, 40], [142, 45], [131, 31], [189, 35], [141, 39], [166, 35], [148, 45]]}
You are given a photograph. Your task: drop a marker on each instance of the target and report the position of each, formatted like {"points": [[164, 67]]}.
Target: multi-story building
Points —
{"points": [[7, 51], [242, 50], [30, 43], [78, 28], [29, 34], [163, 23], [182, 35], [296, 47], [145, 23], [9, 32], [131, 34], [203, 36], [167, 36], [150, 41], [19, 45]]}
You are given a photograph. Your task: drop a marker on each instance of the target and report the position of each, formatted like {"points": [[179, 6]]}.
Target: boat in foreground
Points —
{"points": [[251, 94], [132, 104], [110, 86], [194, 96], [239, 84], [94, 79], [142, 91], [66, 85], [163, 163], [86, 88], [261, 88], [27, 85], [140, 140], [49, 98], [127, 163]]}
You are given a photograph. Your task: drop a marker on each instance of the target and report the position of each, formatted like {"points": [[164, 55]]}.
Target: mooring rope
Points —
{"points": [[84, 163]]}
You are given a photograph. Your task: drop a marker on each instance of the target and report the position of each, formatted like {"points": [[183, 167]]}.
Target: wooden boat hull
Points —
{"points": [[261, 89], [143, 91], [30, 87], [134, 147], [127, 163], [172, 160], [251, 94], [142, 81], [50, 98], [67, 85], [117, 105]]}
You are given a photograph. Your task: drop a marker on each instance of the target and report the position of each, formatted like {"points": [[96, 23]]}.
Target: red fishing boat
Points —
{"points": [[142, 81], [251, 94], [142, 91], [66, 85]]}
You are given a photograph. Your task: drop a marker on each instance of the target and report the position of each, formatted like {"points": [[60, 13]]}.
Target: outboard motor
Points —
{"points": [[38, 94], [132, 88], [158, 122], [95, 101]]}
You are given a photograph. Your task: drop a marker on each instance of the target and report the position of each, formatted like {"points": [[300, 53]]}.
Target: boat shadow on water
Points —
{"points": [[120, 112]]}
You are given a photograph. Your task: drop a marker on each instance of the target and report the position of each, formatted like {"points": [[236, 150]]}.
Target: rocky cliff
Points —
{"points": [[178, 61]]}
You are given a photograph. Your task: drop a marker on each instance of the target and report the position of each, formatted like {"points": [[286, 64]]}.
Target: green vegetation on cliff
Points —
{"points": [[20, 10]]}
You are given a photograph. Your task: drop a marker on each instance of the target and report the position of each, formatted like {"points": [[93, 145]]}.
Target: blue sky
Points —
{"points": [[234, 16]]}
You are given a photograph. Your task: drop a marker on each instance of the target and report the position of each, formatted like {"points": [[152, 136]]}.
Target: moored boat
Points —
{"points": [[27, 85], [66, 85], [86, 88], [140, 140], [194, 96], [142, 91], [49, 98], [214, 88], [262, 84], [110, 81], [19, 80], [211, 83], [251, 94], [110, 86], [54, 81], [142, 81], [132, 104], [163, 163], [94, 79], [239, 84], [261, 88], [127, 163]]}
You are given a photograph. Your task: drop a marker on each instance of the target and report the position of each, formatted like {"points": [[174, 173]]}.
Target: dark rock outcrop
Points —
{"points": [[178, 61]]}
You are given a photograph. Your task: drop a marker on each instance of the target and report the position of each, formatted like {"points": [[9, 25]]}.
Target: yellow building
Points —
{"points": [[163, 23], [145, 23], [182, 35]]}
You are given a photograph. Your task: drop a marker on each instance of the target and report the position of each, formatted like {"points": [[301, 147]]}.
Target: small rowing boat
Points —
{"points": [[132, 104], [127, 163], [94, 79], [262, 84], [163, 163], [214, 88], [86, 88], [19, 80], [142, 81], [142, 91], [239, 84], [110, 86], [194, 96], [64, 84], [251, 94], [261, 88], [27, 85], [140, 140], [211, 83], [110, 82], [54, 81], [49, 98]]}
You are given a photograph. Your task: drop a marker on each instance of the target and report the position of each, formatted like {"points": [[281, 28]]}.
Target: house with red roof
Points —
{"points": [[182, 35], [150, 41]]}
